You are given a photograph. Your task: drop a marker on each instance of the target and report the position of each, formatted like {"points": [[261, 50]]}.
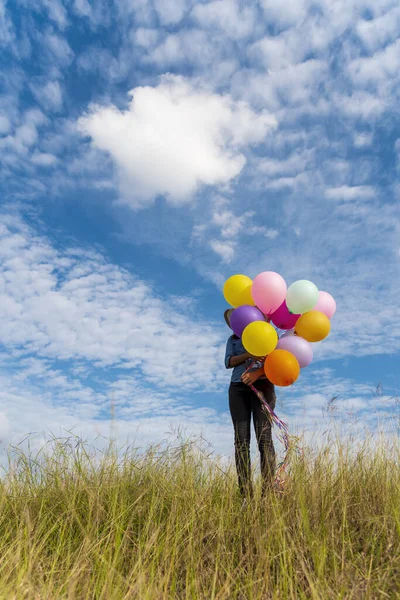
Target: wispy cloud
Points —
{"points": [[74, 305], [229, 16], [226, 250], [49, 94], [58, 48], [6, 26], [346, 192]]}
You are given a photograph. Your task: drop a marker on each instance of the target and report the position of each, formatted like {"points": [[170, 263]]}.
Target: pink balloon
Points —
{"points": [[283, 318], [326, 304], [299, 347], [269, 291]]}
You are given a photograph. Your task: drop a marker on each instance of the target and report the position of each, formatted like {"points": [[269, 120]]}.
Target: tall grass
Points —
{"points": [[170, 524]]}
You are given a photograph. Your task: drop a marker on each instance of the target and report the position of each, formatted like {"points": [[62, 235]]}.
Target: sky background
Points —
{"points": [[150, 149]]}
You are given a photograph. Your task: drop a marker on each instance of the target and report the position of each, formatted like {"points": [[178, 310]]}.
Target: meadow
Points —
{"points": [[169, 524]]}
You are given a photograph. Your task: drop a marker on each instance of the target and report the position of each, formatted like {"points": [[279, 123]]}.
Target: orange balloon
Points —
{"points": [[313, 326], [281, 367]]}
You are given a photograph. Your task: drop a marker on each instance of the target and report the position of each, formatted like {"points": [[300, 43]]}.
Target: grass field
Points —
{"points": [[169, 524]]}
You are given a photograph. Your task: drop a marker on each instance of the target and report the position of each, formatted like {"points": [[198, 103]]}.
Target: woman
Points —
{"points": [[242, 403]]}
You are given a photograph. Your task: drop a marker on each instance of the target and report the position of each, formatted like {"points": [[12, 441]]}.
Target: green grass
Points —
{"points": [[169, 524]]}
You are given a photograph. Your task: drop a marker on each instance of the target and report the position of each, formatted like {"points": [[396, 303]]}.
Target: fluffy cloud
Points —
{"points": [[376, 33], [188, 136], [381, 66]]}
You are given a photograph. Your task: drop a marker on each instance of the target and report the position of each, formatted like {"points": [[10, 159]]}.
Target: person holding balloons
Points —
{"points": [[243, 403], [262, 308]]}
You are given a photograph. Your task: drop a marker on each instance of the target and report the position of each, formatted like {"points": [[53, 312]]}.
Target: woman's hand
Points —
{"points": [[250, 378]]}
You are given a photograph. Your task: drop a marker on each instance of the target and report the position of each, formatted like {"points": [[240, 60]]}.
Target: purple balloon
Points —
{"points": [[283, 318], [299, 347], [242, 316]]}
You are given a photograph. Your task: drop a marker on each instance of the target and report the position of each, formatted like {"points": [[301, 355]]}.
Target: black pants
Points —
{"points": [[242, 402]]}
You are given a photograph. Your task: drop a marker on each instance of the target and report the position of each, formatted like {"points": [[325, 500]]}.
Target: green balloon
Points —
{"points": [[301, 296]]}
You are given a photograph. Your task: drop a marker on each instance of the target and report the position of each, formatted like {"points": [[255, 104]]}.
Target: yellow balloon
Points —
{"points": [[237, 290], [259, 338], [313, 326]]}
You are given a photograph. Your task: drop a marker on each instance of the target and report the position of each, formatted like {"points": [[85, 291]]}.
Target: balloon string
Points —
{"points": [[290, 443]]}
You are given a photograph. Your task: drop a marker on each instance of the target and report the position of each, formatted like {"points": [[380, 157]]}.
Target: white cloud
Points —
{"points": [[189, 46], [6, 25], [344, 14], [271, 233], [4, 125], [227, 16], [298, 181], [294, 86], [383, 65], [56, 12], [171, 12], [276, 52], [43, 159], [49, 95], [189, 136], [26, 133], [291, 165], [376, 33], [224, 231], [145, 37], [292, 13], [83, 8], [224, 249], [59, 48], [348, 193], [363, 140], [53, 9], [361, 104], [230, 223]]}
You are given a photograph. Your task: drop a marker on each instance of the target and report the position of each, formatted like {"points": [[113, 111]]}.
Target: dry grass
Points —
{"points": [[170, 525]]}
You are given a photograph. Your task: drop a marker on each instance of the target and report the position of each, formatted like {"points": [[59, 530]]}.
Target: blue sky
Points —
{"points": [[149, 150]]}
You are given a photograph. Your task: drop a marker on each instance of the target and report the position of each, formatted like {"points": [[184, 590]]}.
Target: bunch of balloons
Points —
{"points": [[301, 311]]}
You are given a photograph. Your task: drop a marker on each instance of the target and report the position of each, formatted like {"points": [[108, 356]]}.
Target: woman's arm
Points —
{"points": [[234, 361]]}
